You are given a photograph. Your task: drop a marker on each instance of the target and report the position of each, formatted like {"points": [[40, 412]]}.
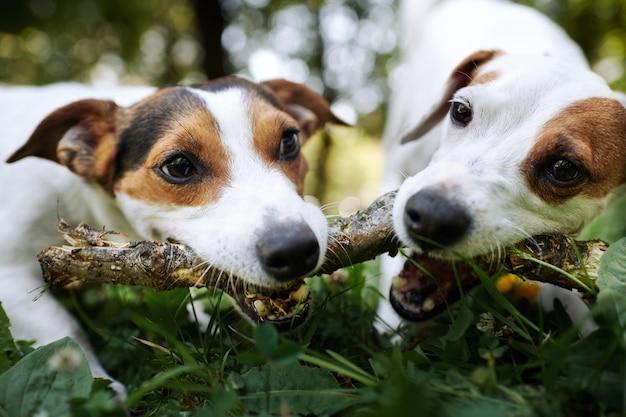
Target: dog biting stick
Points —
{"points": [[354, 239]]}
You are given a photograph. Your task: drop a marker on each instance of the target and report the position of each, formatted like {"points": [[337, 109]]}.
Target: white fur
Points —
{"points": [[441, 39], [37, 192], [256, 197], [541, 73]]}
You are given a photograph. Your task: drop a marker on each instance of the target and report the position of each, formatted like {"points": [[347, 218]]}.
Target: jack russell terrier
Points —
{"points": [[216, 166], [497, 131]]}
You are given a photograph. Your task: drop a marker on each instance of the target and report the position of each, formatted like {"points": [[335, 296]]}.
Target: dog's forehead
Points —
{"points": [[147, 121], [514, 96], [518, 112], [539, 77], [231, 131], [239, 84], [222, 103]]}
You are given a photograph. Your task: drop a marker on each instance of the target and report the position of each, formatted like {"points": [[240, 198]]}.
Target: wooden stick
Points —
{"points": [[354, 239]]}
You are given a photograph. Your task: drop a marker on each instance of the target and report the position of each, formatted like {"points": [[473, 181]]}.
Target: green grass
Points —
{"points": [[485, 356]]}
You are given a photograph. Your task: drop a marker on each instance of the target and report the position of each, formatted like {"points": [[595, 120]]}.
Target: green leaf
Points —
{"points": [[46, 380], [287, 352], [595, 367], [9, 353], [610, 225], [266, 339], [611, 301], [612, 272], [272, 348], [301, 389], [453, 343]]}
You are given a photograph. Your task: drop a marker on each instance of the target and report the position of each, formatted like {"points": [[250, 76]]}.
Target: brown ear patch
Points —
{"points": [[95, 116], [462, 76], [268, 126], [310, 109], [591, 132], [192, 133], [81, 136]]}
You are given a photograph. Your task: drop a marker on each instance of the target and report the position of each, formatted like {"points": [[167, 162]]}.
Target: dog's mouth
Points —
{"points": [[426, 286], [286, 308]]}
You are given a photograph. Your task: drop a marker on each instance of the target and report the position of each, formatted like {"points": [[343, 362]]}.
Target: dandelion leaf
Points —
{"points": [[611, 302], [9, 353], [44, 381], [298, 389]]}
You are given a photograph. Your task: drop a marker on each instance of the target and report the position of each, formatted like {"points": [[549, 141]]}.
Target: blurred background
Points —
{"points": [[344, 49]]}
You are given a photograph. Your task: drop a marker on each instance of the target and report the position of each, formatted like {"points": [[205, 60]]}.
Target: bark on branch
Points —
{"points": [[354, 239]]}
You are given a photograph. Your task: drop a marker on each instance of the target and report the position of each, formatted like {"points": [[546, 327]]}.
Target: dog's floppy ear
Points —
{"points": [[81, 135], [310, 109], [462, 75]]}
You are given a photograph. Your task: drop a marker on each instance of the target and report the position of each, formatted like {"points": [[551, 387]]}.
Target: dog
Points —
{"points": [[497, 131], [216, 166]]}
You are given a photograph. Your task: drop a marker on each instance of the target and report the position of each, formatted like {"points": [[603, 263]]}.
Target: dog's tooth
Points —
{"points": [[261, 308], [429, 305], [301, 294], [250, 293], [398, 283]]}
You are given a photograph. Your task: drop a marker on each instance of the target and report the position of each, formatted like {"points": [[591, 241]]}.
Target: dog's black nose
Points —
{"points": [[289, 251], [429, 214]]}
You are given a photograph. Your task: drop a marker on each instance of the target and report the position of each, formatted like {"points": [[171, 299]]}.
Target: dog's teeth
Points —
{"points": [[261, 308], [398, 283], [250, 293], [301, 294], [428, 305]]}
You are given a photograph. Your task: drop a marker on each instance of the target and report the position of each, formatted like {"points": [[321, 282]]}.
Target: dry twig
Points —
{"points": [[354, 239]]}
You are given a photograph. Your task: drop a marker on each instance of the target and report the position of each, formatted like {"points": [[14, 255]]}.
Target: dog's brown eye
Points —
{"points": [[565, 171], [461, 113], [178, 168], [289, 145]]}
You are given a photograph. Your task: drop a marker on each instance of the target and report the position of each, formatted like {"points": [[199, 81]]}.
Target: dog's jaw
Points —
{"points": [[122, 185], [230, 244], [216, 166], [244, 214], [492, 171], [502, 212]]}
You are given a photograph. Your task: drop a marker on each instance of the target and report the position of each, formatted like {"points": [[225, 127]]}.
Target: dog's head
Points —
{"points": [[216, 166], [529, 145]]}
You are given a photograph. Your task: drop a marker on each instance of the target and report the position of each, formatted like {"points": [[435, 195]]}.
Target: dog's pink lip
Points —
{"points": [[420, 293], [286, 307]]}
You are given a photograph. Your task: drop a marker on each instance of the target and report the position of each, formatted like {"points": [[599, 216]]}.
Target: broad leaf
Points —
{"points": [[611, 302], [300, 389], [9, 353], [46, 380]]}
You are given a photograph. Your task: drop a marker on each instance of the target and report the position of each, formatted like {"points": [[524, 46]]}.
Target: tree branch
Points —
{"points": [[354, 239]]}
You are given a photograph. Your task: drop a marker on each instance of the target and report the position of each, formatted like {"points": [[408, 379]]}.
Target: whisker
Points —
{"points": [[208, 269], [342, 247], [330, 205]]}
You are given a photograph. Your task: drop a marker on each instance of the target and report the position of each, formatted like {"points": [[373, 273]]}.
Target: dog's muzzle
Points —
{"points": [[433, 221], [289, 251]]}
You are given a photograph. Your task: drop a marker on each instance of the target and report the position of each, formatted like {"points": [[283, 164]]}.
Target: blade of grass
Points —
{"points": [[572, 277], [344, 366], [161, 380]]}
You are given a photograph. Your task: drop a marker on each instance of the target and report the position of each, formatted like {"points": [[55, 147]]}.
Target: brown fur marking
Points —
{"points": [[196, 134], [591, 132]]}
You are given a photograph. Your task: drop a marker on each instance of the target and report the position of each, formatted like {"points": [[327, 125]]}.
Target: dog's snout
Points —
{"points": [[289, 251], [431, 217]]}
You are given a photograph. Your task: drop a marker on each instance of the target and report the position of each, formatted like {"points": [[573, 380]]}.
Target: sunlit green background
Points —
{"points": [[342, 48]]}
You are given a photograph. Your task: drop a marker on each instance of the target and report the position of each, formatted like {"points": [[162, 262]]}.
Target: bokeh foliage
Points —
{"points": [[340, 47]]}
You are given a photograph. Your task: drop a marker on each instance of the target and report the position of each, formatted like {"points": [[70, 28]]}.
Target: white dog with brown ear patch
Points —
{"points": [[497, 131], [215, 166]]}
